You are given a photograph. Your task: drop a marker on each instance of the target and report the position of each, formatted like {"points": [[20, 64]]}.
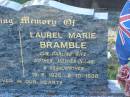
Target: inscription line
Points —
{"points": [[21, 54]]}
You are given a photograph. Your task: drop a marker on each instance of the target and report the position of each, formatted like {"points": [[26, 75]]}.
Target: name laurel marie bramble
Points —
{"points": [[74, 35]]}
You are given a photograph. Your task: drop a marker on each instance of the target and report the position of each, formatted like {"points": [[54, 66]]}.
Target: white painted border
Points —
{"points": [[101, 15], [72, 9], [114, 86]]}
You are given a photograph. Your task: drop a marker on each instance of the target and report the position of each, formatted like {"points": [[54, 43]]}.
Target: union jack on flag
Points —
{"points": [[124, 23]]}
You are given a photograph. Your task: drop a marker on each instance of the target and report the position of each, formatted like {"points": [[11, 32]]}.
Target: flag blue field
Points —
{"points": [[123, 38]]}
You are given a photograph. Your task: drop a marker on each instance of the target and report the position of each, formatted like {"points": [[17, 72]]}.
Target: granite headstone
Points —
{"points": [[50, 51]]}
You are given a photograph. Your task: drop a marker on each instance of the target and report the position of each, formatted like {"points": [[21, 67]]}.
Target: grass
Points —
{"points": [[112, 71]]}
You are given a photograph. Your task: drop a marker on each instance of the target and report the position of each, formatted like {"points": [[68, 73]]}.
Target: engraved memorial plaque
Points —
{"points": [[51, 51]]}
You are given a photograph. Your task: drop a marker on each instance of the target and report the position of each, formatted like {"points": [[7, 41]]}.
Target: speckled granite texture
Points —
{"points": [[10, 59]]}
